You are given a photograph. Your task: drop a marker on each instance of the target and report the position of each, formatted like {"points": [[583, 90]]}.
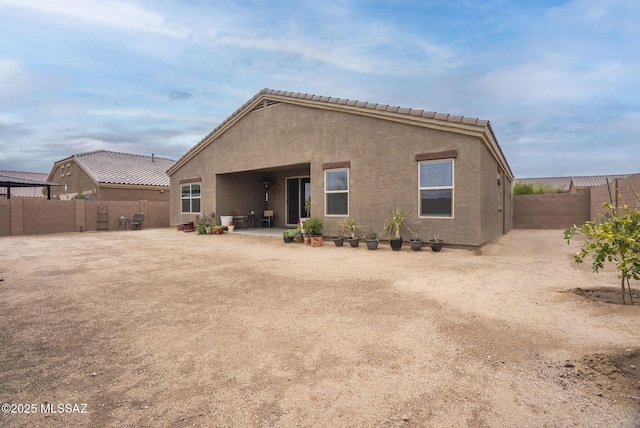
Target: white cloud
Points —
{"points": [[550, 81], [111, 13], [147, 113], [8, 68]]}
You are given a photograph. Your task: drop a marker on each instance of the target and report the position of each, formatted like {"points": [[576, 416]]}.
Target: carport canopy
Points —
{"points": [[9, 182]]}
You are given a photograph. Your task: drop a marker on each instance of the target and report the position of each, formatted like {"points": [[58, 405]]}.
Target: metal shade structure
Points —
{"points": [[9, 182]]}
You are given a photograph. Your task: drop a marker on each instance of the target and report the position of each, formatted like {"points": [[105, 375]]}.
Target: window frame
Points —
{"points": [[327, 192], [190, 198], [451, 187]]}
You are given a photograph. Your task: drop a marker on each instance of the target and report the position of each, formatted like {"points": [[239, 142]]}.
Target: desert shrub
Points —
{"points": [[537, 188]]}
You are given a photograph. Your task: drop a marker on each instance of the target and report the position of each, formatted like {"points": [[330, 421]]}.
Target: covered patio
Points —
{"points": [[282, 190]]}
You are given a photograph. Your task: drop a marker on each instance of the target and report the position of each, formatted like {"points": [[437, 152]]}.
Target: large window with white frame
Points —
{"points": [[191, 198], [436, 188], [336, 191]]}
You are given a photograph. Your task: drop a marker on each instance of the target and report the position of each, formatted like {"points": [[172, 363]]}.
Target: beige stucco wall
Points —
{"points": [[76, 180], [133, 193], [383, 171]]}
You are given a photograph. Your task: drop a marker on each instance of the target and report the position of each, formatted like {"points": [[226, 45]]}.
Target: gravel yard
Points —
{"points": [[164, 328]]}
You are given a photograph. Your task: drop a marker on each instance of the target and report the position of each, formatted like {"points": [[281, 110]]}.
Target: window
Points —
{"points": [[191, 198], [336, 190], [436, 188]]}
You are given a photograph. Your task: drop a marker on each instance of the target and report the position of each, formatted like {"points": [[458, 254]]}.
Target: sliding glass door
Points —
{"points": [[298, 191]]}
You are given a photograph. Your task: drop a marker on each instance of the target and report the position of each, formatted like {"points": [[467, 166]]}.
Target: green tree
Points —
{"points": [[614, 238]]}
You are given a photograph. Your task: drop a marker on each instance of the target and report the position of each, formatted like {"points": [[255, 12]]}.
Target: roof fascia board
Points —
{"points": [[483, 132]]}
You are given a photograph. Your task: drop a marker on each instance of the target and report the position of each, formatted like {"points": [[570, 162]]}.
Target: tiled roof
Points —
{"points": [[271, 95], [563, 183], [25, 192], [594, 180], [125, 168]]}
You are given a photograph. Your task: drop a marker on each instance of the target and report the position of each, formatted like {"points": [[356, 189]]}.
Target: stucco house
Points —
{"points": [[355, 159], [104, 175]]}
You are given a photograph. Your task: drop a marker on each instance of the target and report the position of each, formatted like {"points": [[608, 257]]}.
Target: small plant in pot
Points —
{"points": [[416, 243], [339, 238], [289, 235], [372, 241], [303, 230], [436, 243], [204, 223], [350, 225], [314, 226], [393, 227]]}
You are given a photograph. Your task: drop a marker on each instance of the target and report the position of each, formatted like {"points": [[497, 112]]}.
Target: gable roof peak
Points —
{"points": [[445, 121]]}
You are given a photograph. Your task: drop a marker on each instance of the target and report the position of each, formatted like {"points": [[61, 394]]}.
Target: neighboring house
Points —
{"points": [[573, 184], [354, 159], [25, 192], [112, 176], [587, 181]]}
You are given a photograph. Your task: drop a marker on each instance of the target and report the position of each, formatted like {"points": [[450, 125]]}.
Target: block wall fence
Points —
{"points": [[563, 210], [41, 216], [551, 211]]}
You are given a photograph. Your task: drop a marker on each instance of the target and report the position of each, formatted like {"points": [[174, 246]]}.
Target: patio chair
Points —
{"points": [[240, 221], [267, 218], [136, 223]]}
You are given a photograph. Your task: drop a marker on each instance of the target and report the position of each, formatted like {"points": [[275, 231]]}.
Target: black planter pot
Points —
{"points": [[396, 244], [372, 244], [287, 239], [354, 242], [338, 241], [436, 245], [416, 244]]}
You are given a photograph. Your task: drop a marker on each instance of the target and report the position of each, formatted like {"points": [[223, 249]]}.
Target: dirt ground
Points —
{"points": [[164, 328]]}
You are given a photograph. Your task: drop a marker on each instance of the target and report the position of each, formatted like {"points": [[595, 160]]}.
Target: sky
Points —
{"points": [[558, 80]]}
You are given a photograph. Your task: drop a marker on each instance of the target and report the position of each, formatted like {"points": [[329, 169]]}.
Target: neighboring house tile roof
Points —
{"points": [[25, 192], [268, 97], [564, 183], [125, 168], [594, 180]]}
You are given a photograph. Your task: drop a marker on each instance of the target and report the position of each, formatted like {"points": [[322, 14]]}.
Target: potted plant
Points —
{"points": [[217, 230], [230, 227], [303, 230], [289, 235], [314, 226], [339, 238], [371, 239], [393, 227], [350, 225], [203, 224], [416, 243], [436, 243]]}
